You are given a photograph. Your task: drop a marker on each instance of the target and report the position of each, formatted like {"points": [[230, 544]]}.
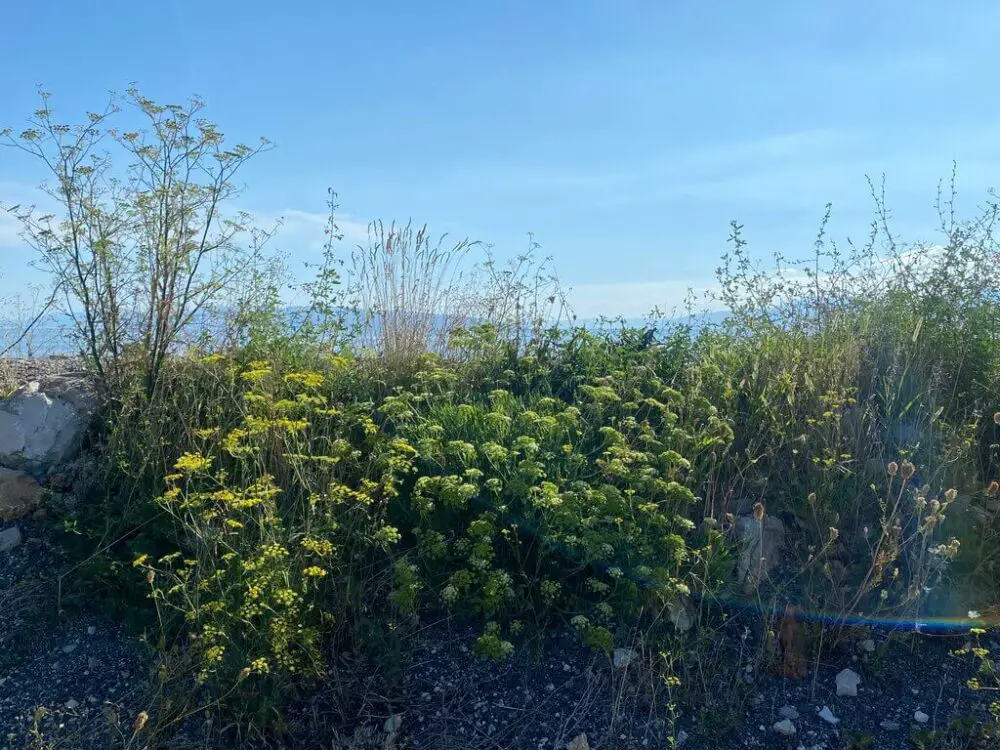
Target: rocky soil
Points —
{"points": [[77, 679], [549, 696], [80, 681], [73, 679], [14, 372]]}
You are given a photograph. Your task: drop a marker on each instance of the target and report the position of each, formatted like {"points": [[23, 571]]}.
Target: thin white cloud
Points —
{"points": [[780, 146], [638, 298], [17, 194], [10, 229], [635, 299], [304, 232], [672, 170]]}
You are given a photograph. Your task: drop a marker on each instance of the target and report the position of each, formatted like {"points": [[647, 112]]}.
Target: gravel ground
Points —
{"points": [[15, 372], [79, 675], [545, 698], [73, 677]]}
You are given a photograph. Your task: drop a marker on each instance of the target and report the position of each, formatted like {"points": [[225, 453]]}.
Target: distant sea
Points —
{"points": [[52, 335]]}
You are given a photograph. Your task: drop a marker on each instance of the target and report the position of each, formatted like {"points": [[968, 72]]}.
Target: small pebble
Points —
{"points": [[847, 682], [784, 727], [788, 712]]}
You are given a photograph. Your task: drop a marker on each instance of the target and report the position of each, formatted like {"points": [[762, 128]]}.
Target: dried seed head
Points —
{"points": [[140, 722], [150, 575], [729, 519], [935, 506], [834, 533], [993, 489], [892, 468], [758, 511], [812, 498], [907, 469], [950, 495], [996, 417]]}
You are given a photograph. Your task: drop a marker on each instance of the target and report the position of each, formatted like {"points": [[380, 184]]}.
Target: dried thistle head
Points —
{"points": [[994, 489], [758, 511], [140, 722], [892, 469], [950, 495], [907, 469], [996, 418]]}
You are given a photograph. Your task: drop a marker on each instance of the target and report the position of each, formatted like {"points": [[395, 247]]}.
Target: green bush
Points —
{"points": [[526, 506]]}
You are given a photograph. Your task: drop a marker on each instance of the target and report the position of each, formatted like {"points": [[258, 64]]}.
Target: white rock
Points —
{"points": [[579, 742], [868, 645], [682, 737], [680, 614], [9, 539], [91, 630], [42, 423], [827, 715], [920, 717], [889, 726], [72, 703], [847, 682], [761, 543], [784, 727], [788, 712], [69, 648], [622, 657]]}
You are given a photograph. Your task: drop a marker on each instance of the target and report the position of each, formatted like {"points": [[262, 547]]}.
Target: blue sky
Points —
{"points": [[624, 135]]}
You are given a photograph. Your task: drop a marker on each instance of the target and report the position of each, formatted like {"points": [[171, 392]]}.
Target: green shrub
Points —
{"points": [[529, 506]]}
